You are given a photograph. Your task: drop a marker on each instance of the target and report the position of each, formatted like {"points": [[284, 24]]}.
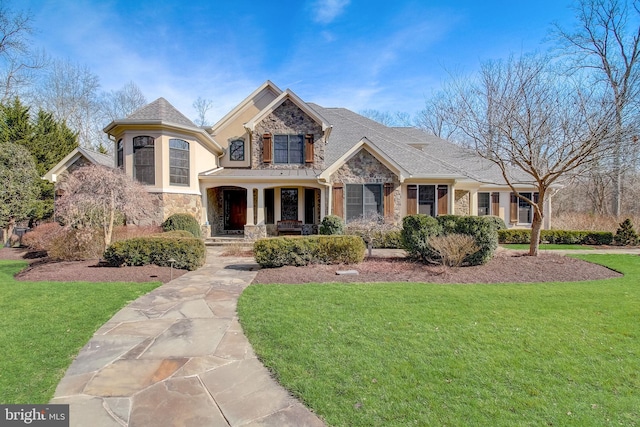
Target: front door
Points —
{"points": [[235, 209]]}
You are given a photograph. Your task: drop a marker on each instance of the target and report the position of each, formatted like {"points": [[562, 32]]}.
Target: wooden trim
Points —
{"points": [[412, 199], [513, 214], [389, 202], [308, 148], [443, 199], [338, 200], [495, 203], [266, 148]]}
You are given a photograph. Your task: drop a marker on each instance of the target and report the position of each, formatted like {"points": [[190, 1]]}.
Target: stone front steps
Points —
{"points": [[228, 241]]}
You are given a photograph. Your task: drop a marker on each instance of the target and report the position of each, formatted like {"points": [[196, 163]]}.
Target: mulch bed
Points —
{"points": [[45, 269], [506, 267]]}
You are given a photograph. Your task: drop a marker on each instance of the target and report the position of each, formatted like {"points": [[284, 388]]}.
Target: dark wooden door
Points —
{"points": [[235, 209]]}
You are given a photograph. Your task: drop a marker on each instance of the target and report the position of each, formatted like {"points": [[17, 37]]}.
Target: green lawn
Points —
{"points": [[545, 246], [402, 354], [43, 325]]}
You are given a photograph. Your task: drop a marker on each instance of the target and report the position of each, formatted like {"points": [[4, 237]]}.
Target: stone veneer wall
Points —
{"points": [[167, 204], [364, 168], [462, 202], [215, 210], [287, 119]]}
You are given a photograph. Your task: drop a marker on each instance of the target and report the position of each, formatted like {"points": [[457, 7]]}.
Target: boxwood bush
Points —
{"points": [[303, 250], [331, 224], [188, 252], [181, 221], [562, 237], [418, 229]]}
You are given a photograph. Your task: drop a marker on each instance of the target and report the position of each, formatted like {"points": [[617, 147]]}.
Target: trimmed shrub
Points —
{"points": [[416, 232], [497, 221], [626, 234], [304, 250], [514, 235], [77, 244], [561, 237], [188, 252], [41, 237], [331, 225], [454, 248], [481, 228], [182, 221]]}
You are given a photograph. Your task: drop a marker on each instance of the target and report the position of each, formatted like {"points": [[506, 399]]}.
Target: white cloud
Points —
{"points": [[325, 11]]}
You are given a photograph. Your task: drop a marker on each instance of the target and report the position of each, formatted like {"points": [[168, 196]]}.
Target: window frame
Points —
{"points": [[143, 144], [350, 196], [301, 142], [296, 195], [488, 203], [173, 151], [234, 150], [120, 154], [524, 206]]}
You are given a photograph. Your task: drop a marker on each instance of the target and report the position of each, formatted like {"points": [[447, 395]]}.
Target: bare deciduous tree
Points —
{"points": [[118, 104], [202, 107], [96, 196], [17, 58], [535, 126], [606, 43]]}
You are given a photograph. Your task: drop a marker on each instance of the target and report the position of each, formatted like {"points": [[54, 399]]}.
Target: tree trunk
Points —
{"points": [[536, 227]]}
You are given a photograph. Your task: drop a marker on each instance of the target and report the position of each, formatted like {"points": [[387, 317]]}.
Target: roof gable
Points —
{"points": [[288, 95]]}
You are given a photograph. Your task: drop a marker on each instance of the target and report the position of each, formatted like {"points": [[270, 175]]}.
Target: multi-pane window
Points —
{"points": [[144, 159], [427, 200], [525, 211], [120, 154], [236, 150], [288, 149], [484, 204], [289, 203], [178, 162], [363, 200]]}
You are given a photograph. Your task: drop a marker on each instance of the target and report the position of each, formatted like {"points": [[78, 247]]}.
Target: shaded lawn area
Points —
{"points": [[401, 354], [43, 325]]}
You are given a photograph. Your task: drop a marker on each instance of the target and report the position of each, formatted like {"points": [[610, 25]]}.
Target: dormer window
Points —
{"points": [[288, 149], [236, 150]]}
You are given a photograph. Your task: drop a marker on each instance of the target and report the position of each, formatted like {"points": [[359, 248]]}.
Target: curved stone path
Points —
{"points": [[178, 357]]}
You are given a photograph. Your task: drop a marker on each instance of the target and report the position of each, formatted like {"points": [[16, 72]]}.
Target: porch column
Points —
{"points": [[205, 205], [323, 212], [473, 202], [250, 206], [260, 207]]}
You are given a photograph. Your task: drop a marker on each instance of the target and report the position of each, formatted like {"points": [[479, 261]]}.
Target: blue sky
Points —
{"points": [[358, 54]]}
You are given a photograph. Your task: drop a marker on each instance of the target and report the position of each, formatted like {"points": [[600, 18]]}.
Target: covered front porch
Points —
{"points": [[253, 210]]}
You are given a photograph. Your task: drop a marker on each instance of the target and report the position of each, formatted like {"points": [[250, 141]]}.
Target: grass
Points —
{"points": [[43, 325], [401, 354], [545, 246]]}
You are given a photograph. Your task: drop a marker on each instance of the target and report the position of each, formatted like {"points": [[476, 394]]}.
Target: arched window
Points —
{"points": [[236, 150], [178, 162], [144, 159], [120, 154]]}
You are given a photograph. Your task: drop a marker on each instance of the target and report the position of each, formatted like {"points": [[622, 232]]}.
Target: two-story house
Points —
{"points": [[276, 157]]}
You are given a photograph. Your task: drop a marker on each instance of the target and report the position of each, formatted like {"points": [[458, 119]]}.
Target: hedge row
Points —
{"points": [[188, 252], [565, 237], [418, 229], [303, 250]]}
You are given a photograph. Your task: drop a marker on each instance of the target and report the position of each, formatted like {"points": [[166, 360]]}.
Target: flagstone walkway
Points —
{"points": [[178, 357]]}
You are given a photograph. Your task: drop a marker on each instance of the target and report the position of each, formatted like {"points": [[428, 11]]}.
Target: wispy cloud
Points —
{"points": [[325, 11]]}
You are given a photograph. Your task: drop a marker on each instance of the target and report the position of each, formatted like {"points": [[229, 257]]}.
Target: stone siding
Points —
{"points": [[364, 168], [287, 119], [167, 204], [462, 202]]}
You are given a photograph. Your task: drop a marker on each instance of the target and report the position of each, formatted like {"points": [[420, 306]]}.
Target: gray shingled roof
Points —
{"points": [[97, 157], [161, 110], [437, 157]]}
